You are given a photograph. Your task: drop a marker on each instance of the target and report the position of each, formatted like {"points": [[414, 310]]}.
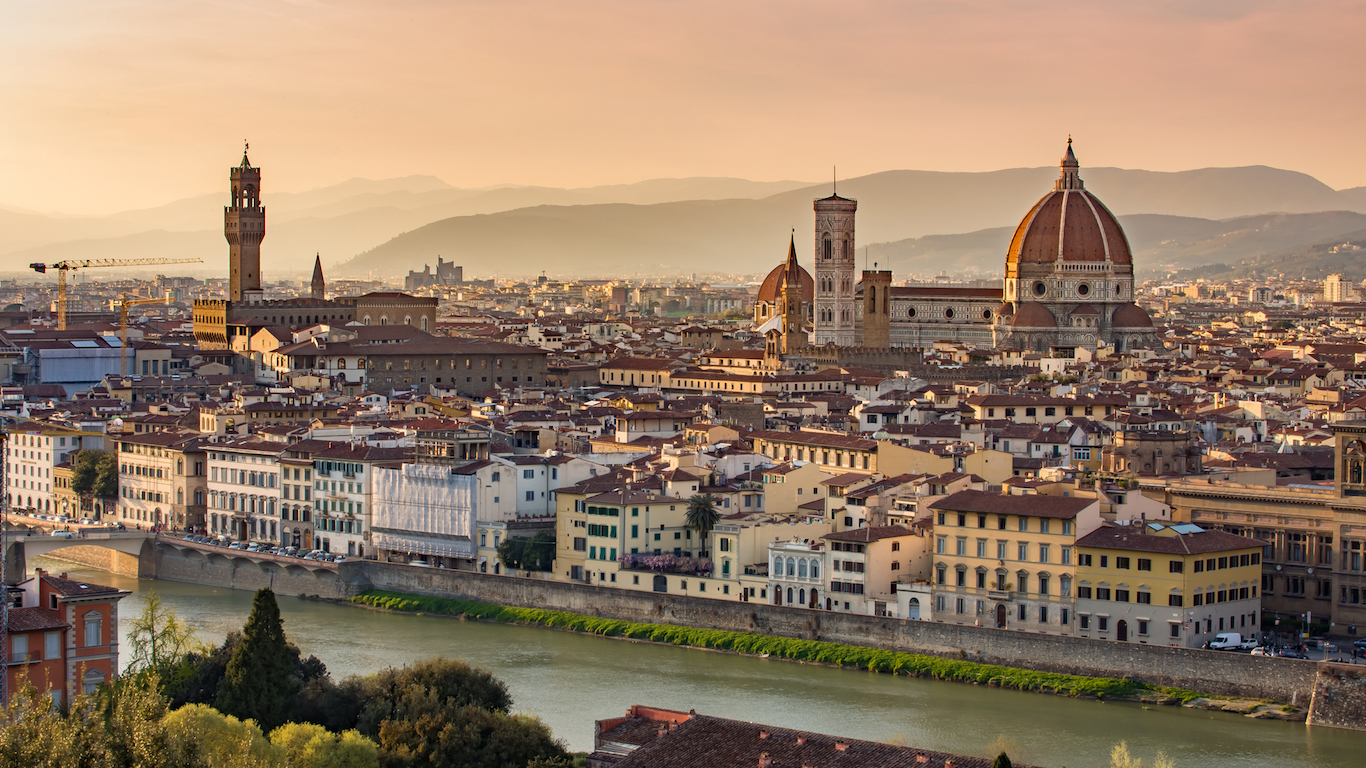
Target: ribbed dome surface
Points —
{"points": [[1069, 224], [1032, 314], [772, 288]]}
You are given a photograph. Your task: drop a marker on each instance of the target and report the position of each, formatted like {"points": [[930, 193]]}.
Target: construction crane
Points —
{"points": [[63, 267], [123, 326]]}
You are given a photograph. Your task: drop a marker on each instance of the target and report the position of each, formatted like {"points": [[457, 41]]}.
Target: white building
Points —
{"points": [[796, 572], [31, 453], [245, 490], [343, 495]]}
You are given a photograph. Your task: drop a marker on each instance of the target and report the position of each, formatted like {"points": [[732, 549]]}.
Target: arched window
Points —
{"points": [[801, 569], [791, 568], [789, 595], [815, 569], [872, 299], [827, 246], [801, 596]]}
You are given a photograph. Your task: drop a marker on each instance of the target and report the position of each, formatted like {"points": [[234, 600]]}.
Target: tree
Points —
{"points": [[702, 515], [158, 639], [1001, 761], [200, 734], [107, 479], [534, 554], [428, 732], [259, 683], [305, 745]]}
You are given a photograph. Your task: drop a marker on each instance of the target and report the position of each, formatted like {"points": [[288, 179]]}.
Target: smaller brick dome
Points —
{"points": [[1032, 314], [1131, 316]]}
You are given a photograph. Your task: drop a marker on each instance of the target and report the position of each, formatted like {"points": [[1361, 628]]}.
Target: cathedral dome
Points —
{"points": [[1032, 314], [772, 288], [1131, 316], [1069, 224]]}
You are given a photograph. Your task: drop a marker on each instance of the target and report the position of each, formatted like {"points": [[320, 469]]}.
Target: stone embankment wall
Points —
{"points": [[1213, 672], [240, 572], [1339, 697]]}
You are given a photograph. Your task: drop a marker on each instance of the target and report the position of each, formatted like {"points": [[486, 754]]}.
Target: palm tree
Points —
{"points": [[702, 516]]}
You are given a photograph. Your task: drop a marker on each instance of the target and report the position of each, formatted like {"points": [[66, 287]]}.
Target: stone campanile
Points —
{"points": [[244, 225], [836, 304]]}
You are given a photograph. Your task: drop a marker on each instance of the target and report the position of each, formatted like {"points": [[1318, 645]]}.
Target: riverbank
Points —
{"points": [[830, 654]]}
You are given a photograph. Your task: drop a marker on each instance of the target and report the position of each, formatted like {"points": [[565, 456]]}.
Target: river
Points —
{"points": [[570, 680]]}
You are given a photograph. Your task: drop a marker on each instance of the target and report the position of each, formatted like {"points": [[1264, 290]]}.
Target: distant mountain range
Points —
{"points": [[912, 221]]}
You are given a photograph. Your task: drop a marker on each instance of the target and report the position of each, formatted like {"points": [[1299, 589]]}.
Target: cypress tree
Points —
{"points": [[260, 683], [1001, 761]]}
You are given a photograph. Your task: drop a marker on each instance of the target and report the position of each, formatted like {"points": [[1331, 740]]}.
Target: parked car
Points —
{"points": [[1290, 653], [253, 547], [340, 559], [1360, 645], [87, 521], [234, 545], [420, 563], [1262, 650]]}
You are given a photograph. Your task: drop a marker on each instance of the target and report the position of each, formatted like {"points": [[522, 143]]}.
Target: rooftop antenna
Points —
{"points": [[834, 181]]}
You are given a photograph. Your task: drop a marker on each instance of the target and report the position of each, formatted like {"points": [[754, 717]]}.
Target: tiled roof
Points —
{"points": [[34, 619], [1031, 506], [701, 741]]}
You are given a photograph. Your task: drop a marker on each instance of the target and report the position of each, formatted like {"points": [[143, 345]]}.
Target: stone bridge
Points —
{"points": [[131, 553]]}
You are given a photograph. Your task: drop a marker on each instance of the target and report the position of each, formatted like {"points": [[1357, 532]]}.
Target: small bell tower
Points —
{"points": [[319, 286], [793, 337]]}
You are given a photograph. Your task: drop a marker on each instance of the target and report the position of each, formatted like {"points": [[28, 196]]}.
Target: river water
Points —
{"points": [[570, 680]]}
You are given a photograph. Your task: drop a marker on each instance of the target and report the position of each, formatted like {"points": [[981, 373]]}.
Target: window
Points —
{"points": [[52, 645], [92, 629], [1142, 627], [1024, 524], [1023, 551], [1043, 553], [1175, 566], [1172, 600], [1175, 629], [530, 495], [1084, 593], [1083, 621], [1102, 623], [1083, 558], [528, 474], [1145, 564], [1121, 595]]}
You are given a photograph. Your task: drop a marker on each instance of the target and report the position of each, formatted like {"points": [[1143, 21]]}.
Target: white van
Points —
{"points": [[1232, 641]]}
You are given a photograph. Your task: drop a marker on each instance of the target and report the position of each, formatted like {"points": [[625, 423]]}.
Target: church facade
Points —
{"points": [[1068, 284]]}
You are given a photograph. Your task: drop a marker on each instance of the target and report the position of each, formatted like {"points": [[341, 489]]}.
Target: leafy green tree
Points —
{"points": [[1001, 761], [534, 554], [259, 683], [428, 732], [305, 745], [107, 478], [702, 515], [84, 471]]}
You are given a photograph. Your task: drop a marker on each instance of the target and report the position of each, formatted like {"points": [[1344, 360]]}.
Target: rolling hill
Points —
{"points": [[387, 226]]}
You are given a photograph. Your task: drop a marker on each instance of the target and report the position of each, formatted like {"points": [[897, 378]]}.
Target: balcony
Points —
{"points": [[1003, 595]]}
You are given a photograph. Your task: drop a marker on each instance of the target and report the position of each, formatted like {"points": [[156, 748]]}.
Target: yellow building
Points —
{"points": [[1008, 561], [1176, 585]]}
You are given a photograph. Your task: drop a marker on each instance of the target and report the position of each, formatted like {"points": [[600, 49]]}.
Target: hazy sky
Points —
{"points": [[117, 104]]}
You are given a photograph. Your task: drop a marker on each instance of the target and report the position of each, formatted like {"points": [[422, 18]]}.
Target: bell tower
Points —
{"points": [[836, 304], [244, 226], [793, 337]]}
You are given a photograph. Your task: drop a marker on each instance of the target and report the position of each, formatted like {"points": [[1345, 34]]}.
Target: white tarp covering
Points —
{"points": [[426, 510]]}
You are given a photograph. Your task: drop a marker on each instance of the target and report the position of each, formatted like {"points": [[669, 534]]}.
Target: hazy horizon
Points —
{"points": [[134, 104]]}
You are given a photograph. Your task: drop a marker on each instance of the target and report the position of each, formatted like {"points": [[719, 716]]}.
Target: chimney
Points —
{"points": [[841, 746], [764, 760], [662, 731], [801, 739], [763, 734]]}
